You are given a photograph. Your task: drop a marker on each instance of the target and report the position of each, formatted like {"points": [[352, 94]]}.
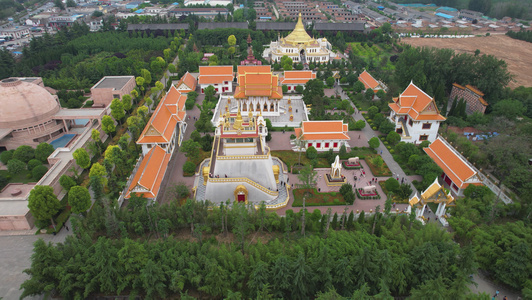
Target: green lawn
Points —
{"points": [[317, 199], [291, 158], [382, 171], [18, 178]]}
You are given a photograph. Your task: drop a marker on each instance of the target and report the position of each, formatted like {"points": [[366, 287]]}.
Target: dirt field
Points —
{"points": [[516, 53]]}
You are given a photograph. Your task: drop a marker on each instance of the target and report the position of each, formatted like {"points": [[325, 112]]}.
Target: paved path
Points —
{"points": [[382, 150], [16, 249]]}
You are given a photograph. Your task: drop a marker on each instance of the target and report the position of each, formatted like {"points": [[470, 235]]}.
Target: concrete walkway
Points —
{"points": [[382, 150]]}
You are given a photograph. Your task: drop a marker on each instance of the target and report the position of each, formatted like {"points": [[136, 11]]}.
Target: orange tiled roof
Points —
{"points": [[417, 104], [215, 74], [258, 84], [254, 69], [162, 123], [368, 80], [453, 166], [214, 79], [150, 173], [474, 90], [187, 80], [215, 70], [323, 130], [297, 77]]}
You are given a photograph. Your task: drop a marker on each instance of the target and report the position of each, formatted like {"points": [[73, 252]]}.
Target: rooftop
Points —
{"points": [[452, 164], [116, 82]]}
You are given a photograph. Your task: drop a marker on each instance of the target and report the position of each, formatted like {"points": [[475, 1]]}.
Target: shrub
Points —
{"points": [[374, 142], [392, 185], [33, 163], [336, 201], [374, 127], [38, 172], [189, 167], [15, 166], [67, 182], [292, 136], [24, 153], [86, 90], [312, 153], [6, 156]]}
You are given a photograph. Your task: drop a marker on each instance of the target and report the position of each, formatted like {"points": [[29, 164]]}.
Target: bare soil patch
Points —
{"points": [[516, 53]]}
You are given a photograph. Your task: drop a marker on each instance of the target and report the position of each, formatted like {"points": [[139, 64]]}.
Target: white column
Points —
{"points": [[441, 210]]}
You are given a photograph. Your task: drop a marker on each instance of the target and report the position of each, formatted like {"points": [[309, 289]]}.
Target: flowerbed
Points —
{"points": [[350, 167], [372, 196]]}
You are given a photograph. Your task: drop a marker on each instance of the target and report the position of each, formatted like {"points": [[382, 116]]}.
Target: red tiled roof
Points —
{"points": [[215, 74], [297, 77], [417, 104], [162, 123], [258, 84], [189, 81], [453, 166], [150, 173], [323, 130], [368, 80]]}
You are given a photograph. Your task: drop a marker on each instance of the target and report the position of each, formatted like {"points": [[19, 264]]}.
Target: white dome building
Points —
{"points": [[26, 114]]}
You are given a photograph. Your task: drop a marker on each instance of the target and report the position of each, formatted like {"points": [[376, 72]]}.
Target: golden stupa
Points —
{"points": [[299, 35]]}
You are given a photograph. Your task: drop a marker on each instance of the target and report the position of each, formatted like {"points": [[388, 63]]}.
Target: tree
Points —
{"points": [[393, 138], [311, 152], [98, 171], [66, 182], [242, 223], [82, 158], [108, 124], [96, 14], [126, 102], [117, 109], [358, 87], [71, 3], [299, 89], [386, 126], [392, 185], [313, 88], [172, 68], [374, 142], [286, 63], [372, 111], [42, 203], [59, 4], [79, 199], [42, 151], [140, 82], [330, 81], [6, 156], [15, 166], [33, 163], [189, 167], [307, 177], [285, 88], [381, 94], [24, 153], [38, 172], [510, 109], [231, 40], [146, 75], [360, 124], [190, 148]]}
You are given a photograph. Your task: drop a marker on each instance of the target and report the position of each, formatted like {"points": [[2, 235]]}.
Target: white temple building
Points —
{"points": [[300, 47], [415, 115], [241, 167]]}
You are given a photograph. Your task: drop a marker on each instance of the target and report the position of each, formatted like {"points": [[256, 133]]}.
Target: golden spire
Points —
{"points": [[238, 122], [299, 35]]}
